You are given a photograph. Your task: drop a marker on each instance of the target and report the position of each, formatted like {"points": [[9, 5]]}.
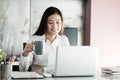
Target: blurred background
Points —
{"points": [[20, 19]]}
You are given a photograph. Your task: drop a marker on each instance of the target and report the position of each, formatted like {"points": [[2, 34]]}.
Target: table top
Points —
{"points": [[98, 76]]}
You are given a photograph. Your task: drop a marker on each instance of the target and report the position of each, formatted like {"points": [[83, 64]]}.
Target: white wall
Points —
{"points": [[14, 25], [105, 31]]}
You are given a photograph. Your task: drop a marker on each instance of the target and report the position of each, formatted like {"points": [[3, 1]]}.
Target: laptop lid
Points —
{"points": [[76, 61]]}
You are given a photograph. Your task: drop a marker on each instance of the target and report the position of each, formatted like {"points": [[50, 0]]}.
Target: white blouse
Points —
{"points": [[48, 57]]}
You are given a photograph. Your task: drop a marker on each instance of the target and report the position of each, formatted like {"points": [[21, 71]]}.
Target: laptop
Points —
{"points": [[76, 61]]}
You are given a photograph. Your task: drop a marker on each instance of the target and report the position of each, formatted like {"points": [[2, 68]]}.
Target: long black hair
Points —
{"points": [[43, 24]]}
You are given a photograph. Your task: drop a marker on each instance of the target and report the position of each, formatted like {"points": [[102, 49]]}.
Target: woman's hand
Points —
{"points": [[37, 69], [11, 59], [28, 48]]}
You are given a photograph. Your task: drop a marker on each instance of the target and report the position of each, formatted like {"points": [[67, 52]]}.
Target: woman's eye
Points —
{"points": [[50, 23], [57, 22]]}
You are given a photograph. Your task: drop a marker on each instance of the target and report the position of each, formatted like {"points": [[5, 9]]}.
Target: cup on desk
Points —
{"points": [[5, 71]]}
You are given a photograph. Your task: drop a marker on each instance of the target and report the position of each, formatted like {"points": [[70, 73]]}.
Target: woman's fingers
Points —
{"points": [[28, 48], [11, 59]]}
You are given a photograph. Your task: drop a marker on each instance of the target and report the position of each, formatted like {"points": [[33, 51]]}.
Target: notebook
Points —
{"points": [[26, 75], [76, 61]]}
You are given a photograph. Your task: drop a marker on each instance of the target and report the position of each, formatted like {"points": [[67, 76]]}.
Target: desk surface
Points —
{"points": [[98, 76]]}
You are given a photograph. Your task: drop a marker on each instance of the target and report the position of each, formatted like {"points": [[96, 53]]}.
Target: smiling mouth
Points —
{"points": [[54, 30]]}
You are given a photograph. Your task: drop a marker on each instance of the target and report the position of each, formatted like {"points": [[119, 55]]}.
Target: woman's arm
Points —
{"points": [[25, 62]]}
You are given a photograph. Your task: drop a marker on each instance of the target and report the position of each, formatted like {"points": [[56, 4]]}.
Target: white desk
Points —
{"points": [[98, 76]]}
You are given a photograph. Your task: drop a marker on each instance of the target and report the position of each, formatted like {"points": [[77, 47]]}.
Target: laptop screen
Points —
{"points": [[76, 61]]}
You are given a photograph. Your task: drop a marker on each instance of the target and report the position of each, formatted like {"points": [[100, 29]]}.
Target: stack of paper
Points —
{"points": [[111, 70]]}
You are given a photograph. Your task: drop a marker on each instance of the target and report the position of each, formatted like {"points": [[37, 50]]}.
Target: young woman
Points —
{"points": [[50, 33]]}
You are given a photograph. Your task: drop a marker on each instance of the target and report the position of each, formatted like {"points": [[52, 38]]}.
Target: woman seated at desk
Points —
{"points": [[50, 33]]}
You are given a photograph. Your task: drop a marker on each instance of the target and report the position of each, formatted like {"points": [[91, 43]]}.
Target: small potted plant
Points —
{"points": [[2, 57], [5, 66], [2, 61]]}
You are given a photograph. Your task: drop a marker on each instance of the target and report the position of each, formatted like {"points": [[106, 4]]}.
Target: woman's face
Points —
{"points": [[54, 24]]}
